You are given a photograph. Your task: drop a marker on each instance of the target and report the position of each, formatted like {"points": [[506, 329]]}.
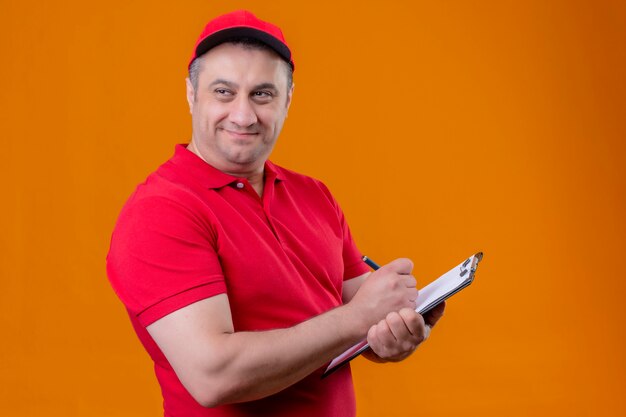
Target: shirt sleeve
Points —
{"points": [[162, 258]]}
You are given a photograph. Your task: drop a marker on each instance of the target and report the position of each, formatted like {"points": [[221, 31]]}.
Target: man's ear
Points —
{"points": [[191, 94], [290, 95]]}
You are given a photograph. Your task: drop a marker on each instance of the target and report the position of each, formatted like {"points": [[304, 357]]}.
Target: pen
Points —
{"points": [[371, 263]]}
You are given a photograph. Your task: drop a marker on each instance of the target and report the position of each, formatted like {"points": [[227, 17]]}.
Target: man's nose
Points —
{"points": [[242, 112]]}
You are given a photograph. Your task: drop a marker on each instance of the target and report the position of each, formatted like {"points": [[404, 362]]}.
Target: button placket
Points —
{"points": [[263, 203], [268, 194]]}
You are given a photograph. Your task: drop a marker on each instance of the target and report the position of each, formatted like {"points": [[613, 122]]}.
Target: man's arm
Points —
{"points": [[218, 365], [351, 286]]}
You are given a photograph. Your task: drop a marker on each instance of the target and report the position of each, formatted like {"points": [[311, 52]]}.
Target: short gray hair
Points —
{"points": [[247, 43]]}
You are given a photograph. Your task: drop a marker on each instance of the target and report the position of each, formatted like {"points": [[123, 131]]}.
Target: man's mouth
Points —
{"points": [[240, 134]]}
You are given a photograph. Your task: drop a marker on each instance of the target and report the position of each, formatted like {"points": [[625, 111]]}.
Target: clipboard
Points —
{"points": [[432, 294]]}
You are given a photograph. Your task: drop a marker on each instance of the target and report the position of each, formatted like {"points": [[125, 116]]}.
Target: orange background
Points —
{"points": [[443, 128]]}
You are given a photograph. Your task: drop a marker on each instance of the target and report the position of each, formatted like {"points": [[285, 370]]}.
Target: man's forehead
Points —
{"points": [[237, 63]]}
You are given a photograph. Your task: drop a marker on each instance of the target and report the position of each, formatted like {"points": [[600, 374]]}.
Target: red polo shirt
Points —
{"points": [[190, 232]]}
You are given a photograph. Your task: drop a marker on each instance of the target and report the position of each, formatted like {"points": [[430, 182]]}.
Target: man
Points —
{"points": [[240, 277]]}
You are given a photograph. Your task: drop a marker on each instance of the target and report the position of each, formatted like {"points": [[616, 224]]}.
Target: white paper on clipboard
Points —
{"points": [[432, 294]]}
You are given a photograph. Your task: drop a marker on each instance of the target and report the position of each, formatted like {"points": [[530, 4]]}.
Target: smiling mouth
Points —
{"points": [[241, 135]]}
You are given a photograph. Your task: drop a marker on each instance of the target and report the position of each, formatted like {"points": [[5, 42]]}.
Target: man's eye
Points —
{"points": [[223, 91], [262, 95]]}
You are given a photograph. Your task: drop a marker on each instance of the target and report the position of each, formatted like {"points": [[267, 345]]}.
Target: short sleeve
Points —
{"points": [[162, 258]]}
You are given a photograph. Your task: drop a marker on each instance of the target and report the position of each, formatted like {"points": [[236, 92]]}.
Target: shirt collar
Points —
{"points": [[210, 176]]}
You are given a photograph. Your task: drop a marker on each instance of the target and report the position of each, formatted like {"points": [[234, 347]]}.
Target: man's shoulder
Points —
{"points": [[163, 190]]}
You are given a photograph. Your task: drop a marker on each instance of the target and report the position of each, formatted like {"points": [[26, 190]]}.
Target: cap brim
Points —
{"points": [[224, 35]]}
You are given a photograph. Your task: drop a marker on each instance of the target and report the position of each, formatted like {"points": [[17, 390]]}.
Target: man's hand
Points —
{"points": [[396, 336], [390, 288]]}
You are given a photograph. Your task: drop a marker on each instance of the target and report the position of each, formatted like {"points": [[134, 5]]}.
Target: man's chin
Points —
{"points": [[248, 156], [244, 159]]}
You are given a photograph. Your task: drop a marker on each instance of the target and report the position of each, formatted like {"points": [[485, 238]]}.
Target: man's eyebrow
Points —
{"points": [[269, 86], [230, 84], [225, 82]]}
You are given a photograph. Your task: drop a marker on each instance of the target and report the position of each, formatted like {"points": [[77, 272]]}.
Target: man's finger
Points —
{"points": [[384, 335], [410, 281], [432, 317], [412, 320], [397, 326], [401, 266]]}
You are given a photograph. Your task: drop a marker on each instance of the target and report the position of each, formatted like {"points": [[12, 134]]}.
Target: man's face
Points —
{"points": [[239, 107]]}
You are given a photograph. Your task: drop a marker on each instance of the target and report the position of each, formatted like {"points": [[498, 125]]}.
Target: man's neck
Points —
{"points": [[255, 177]]}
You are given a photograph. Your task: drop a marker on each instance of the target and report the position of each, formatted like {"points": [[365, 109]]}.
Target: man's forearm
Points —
{"points": [[218, 365], [252, 365]]}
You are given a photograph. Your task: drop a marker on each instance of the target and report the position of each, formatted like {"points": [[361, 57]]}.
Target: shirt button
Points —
{"points": [[240, 185]]}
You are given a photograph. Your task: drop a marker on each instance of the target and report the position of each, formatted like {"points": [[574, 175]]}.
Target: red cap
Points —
{"points": [[241, 23]]}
